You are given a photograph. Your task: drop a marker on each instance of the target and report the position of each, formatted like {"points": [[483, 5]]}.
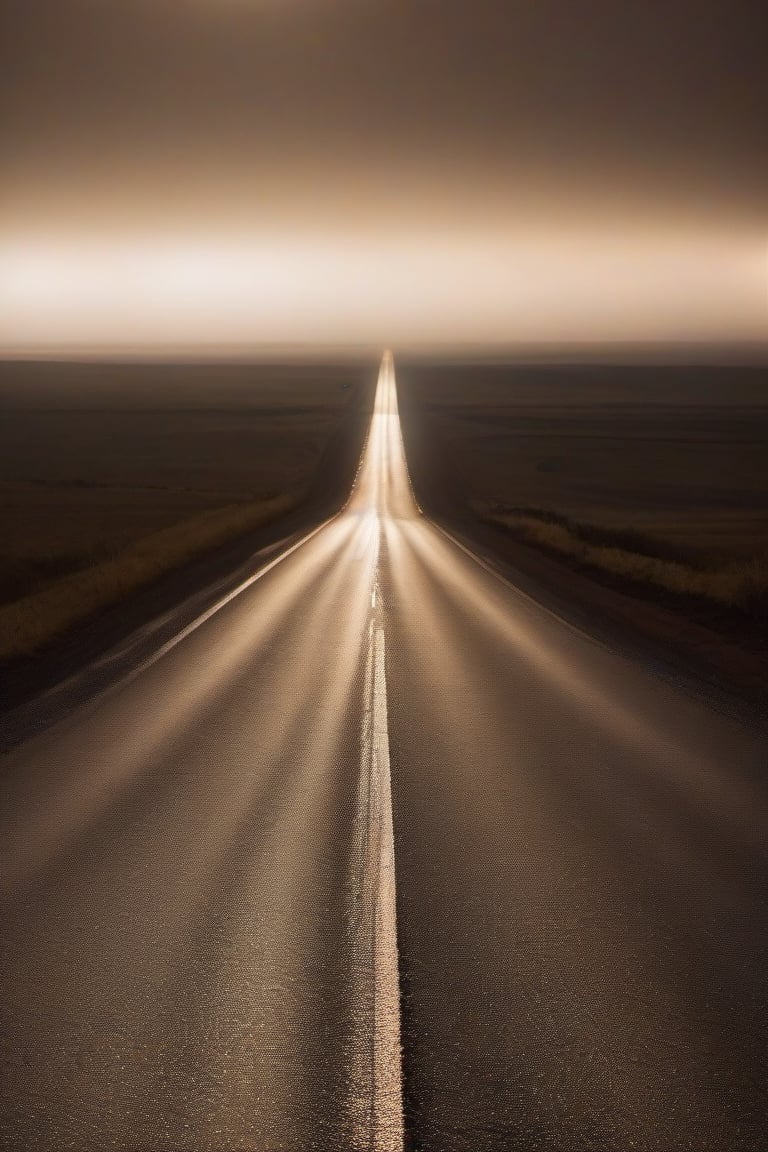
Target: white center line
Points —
{"points": [[387, 1126]]}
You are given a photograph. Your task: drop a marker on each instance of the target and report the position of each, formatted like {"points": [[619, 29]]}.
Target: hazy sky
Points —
{"points": [[185, 172]]}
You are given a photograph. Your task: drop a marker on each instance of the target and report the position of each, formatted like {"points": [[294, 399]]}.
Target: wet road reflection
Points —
{"points": [[380, 797]]}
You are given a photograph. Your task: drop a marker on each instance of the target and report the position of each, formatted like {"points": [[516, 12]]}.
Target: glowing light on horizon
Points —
{"points": [[187, 293]]}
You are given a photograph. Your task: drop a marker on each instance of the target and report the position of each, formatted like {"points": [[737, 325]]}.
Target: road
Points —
{"points": [[380, 798]]}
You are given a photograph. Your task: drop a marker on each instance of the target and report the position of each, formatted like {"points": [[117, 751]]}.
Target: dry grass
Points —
{"points": [[741, 583], [33, 621], [650, 477], [673, 453], [113, 474]]}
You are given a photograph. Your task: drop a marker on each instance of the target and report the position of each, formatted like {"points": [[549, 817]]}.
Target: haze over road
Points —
{"points": [[204, 897]]}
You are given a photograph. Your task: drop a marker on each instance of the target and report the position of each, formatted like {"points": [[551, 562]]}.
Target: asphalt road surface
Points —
{"points": [[382, 801]]}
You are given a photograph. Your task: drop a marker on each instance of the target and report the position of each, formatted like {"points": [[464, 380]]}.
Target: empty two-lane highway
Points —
{"points": [[381, 802]]}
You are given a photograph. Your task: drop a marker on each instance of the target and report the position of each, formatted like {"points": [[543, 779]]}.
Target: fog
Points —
{"points": [[310, 174]]}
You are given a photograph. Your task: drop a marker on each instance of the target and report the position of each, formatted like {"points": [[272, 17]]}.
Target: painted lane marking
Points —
{"points": [[377, 1104], [387, 1119]]}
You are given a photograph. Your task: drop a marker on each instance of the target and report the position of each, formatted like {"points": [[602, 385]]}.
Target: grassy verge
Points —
{"points": [[738, 584], [33, 621]]}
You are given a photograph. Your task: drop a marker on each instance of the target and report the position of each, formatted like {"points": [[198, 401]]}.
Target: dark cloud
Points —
{"points": [[227, 104], [239, 171]]}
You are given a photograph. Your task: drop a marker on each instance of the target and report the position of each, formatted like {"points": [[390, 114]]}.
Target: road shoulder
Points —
{"points": [[699, 659]]}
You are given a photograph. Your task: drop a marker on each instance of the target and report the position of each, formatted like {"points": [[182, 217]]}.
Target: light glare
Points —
{"points": [[432, 290]]}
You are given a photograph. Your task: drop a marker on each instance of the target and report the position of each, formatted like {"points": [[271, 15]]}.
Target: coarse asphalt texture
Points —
{"points": [[382, 854]]}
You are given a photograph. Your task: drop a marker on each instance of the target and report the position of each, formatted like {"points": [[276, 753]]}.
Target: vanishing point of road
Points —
{"points": [[380, 854]]}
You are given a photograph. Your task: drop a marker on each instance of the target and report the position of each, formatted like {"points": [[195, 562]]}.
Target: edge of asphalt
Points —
{"points": [[117, 642], [695, 659], [113, 647]]}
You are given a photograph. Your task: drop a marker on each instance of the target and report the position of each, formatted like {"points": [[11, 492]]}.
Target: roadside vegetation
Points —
{"points": [[736, 583], [28, 623], [111, 476], [650, 477]]}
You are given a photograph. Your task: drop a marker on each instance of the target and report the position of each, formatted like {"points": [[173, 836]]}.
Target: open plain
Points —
{"points": [[378, 854], [113, 474], [651, 477]]}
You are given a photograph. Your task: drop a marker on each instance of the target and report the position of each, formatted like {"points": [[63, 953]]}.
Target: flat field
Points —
{"points": [[613, 466], [97, 460]]}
